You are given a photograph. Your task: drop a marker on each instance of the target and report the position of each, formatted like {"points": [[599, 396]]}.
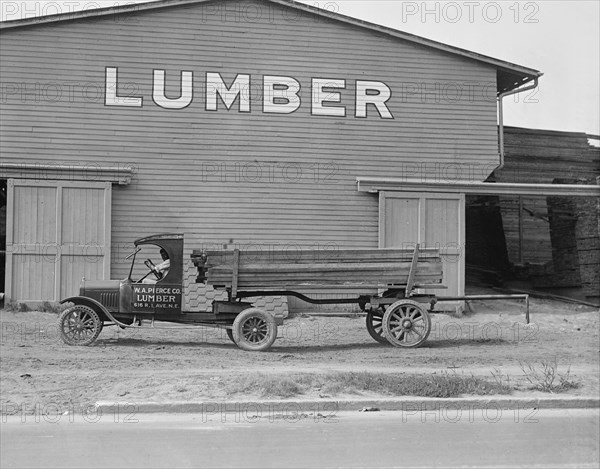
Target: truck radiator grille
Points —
{"points": [[110, 300]]}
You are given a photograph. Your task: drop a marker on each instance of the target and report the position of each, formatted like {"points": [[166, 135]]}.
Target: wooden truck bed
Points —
{"points": [[292, 270]]}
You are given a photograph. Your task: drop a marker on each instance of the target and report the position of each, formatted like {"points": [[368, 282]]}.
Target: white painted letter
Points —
{"points": [[240, 87], [160, 98], [280, 94], [110, 92], [363, 98], [319, 96]]}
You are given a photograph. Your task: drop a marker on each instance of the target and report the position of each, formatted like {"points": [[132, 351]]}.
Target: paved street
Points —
{"points": [[446, 438]]}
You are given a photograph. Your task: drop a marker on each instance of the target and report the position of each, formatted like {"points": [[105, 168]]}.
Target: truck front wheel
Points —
{"points": [[79, 325], [254, 330]]}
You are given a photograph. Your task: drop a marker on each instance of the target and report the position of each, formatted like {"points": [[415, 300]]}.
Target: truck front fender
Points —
{"points": [[95, 305]]}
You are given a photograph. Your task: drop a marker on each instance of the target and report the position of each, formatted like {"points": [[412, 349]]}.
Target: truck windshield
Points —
{"points": [[132, 255]]}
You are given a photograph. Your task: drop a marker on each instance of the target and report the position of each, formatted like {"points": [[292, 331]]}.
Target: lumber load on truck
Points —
{"points": [[375, 268]]}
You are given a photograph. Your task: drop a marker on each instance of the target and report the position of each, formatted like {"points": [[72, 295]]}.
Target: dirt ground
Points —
{"points": [[189, 363]]}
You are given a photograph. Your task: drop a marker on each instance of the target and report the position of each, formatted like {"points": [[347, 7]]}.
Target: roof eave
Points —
{"points": [[524, 73]]}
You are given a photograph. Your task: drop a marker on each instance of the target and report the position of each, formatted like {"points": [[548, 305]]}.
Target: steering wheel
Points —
{"points": [[152, 268]]}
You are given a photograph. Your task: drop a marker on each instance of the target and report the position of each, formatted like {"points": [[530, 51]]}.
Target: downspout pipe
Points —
{"points": [[501, 117]]}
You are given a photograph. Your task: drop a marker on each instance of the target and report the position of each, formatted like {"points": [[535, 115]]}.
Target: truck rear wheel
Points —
{"points": [[406, 324], [375, 325], [79, 325], [254, 330]]}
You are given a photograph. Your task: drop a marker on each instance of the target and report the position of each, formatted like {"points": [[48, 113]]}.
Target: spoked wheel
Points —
{"points": [[79, 325], [375, 326], [254, 330], [406, 324]]}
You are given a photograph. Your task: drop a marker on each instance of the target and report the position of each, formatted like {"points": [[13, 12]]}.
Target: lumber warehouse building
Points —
{"points": [[240, 124]]}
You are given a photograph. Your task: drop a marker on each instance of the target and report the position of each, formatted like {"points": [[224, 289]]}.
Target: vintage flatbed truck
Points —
{"points": [[389, 286]]}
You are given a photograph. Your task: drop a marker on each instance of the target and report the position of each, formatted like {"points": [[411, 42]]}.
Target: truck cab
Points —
{"points": [[148, 295], [155, 293]]}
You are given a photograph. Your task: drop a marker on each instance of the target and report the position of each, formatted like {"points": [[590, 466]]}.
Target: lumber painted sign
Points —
{"points": [[280, 94], [156, 297]]}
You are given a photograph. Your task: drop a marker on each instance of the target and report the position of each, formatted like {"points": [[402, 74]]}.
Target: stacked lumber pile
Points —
{"points": [[282, 270], [541, 156]]}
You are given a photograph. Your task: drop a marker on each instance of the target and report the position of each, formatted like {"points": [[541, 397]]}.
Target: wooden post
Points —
{"points": [[411, 273], [520, 230], [234, 273]]}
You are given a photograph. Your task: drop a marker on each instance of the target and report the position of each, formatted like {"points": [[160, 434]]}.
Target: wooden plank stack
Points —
{"points": [[282, 270], [537, 230]]}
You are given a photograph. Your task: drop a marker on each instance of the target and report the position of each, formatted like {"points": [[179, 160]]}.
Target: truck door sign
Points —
{"points": [[152, 297]]}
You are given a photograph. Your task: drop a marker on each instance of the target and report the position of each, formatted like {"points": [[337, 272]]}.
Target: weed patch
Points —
{"points": [[45, 307], [15, 307], [270, 386], [547, 378], [53, 308], [443, 384]]}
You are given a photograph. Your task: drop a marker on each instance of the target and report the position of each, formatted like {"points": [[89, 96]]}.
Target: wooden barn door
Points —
{"points": [[57, 233], [434, 221]]}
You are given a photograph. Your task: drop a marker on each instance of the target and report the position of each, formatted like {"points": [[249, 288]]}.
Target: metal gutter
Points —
{"points": [[366, 184], [501, 117]]}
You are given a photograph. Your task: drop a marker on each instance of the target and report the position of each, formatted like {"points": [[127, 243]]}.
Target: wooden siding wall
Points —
{"points": [[228, 178]]}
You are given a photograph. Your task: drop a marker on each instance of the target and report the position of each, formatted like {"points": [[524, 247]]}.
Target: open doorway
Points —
{"points": [[487, 258]]}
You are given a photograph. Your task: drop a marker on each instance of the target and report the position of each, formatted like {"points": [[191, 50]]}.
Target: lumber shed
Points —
{"points": [[547, 241], [173, 116]]}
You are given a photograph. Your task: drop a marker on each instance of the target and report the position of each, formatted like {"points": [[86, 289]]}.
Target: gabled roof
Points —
{"points": [[509, 75]]}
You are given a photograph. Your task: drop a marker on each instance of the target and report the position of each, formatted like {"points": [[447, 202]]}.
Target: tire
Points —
{"points": [[374, 322], [406, 324], [230, 335], [254, 330], [79, 325]]}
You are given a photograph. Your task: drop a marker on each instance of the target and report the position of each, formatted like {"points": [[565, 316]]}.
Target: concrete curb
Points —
{"points": [[329, 406]]}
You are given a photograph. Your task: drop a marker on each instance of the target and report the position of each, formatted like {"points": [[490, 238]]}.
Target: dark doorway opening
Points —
{"points": [[486, 254]]}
